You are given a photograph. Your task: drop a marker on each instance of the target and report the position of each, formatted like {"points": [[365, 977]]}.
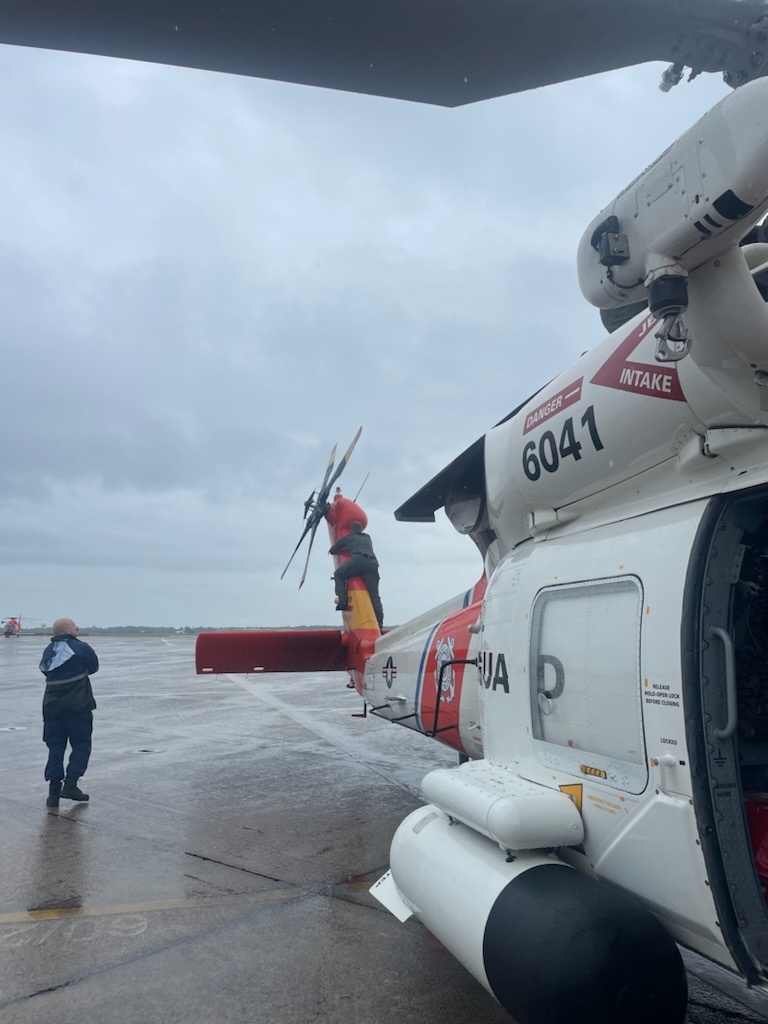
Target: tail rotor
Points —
{"points": [[310, 507], [316, 505]]}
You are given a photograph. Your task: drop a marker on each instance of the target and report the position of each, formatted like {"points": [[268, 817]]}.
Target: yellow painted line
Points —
{"points": [[238, 682], [195, 902]]}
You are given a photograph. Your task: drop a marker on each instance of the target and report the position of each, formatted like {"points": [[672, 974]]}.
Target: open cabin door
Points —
{"points": [[725, 686]]}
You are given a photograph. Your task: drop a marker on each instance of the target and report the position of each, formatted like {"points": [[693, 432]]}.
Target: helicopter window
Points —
{"points": [[585, 681]]}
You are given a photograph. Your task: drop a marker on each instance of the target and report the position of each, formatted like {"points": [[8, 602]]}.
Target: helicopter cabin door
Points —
{"points": [[725, 687]]}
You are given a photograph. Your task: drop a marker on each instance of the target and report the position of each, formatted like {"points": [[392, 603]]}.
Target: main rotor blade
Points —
{"points": [[331, 461], [445, 53], [340, 467]]}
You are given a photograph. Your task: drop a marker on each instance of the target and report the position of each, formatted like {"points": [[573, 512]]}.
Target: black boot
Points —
{"points": [[71, 792], [54, 792]]}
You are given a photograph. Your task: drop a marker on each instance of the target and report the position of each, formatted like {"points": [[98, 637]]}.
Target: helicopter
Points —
{"points": [[602, 682], [12, 626]]}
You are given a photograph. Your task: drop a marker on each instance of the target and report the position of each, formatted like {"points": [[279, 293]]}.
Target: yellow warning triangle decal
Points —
{"points": [[575, 793]]}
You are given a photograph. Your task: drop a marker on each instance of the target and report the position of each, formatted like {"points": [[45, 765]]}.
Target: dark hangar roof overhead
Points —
{"points": [[447, 52]]}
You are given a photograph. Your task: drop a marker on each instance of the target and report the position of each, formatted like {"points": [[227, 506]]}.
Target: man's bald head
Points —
{"points": [[64, 626]]}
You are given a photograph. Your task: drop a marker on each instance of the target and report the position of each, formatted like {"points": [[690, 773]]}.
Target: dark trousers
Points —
{"points": [[365, 569], [75, 730]]}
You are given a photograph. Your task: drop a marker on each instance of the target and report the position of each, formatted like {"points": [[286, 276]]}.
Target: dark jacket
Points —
{"points": [[355, 544], [66, 664]]}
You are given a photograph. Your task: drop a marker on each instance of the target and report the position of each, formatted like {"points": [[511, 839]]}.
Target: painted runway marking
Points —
{"points": [[194, 902], [79, 929], [242, 683], [130, 920]]}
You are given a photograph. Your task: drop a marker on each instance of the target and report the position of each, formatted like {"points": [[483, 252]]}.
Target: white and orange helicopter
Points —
{"points": [[605, 682]]}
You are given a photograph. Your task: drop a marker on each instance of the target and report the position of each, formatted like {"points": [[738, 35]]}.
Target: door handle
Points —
{"points": [[730, 685]]}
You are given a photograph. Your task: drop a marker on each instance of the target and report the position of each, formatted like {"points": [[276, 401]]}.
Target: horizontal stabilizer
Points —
{"points": [[271, 650]]}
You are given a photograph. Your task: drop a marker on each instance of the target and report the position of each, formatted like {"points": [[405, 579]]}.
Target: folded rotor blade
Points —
{"points": [[307, 528], [315, 523]]}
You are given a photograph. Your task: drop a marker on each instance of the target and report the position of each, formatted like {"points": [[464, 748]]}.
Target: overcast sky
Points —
{"points": [[207, 281]]}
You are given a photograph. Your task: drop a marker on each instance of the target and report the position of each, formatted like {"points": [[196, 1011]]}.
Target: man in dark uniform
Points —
{"points": [[68, 707], [362, 562]]}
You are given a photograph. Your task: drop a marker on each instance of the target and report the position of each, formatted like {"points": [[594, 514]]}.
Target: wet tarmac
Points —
{"points": [[220, 871]]}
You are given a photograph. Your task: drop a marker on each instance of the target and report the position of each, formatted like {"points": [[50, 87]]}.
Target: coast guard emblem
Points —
{"points": [[444, 653], [389, 672]]}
